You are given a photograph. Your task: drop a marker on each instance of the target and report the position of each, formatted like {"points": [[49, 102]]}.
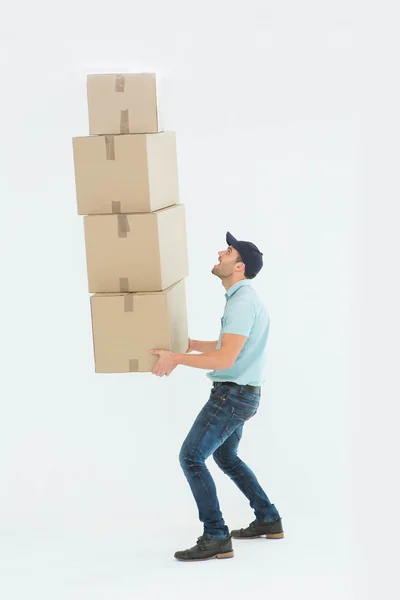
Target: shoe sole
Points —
{"points": [[219, 555], [270, 536]]}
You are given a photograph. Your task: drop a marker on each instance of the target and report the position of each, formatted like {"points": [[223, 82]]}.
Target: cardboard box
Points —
{"points": [[125, 173], [124, 103], [126, 326], [136, 252]]}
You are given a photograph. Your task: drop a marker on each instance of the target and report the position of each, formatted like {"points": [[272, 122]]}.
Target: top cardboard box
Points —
{"points": [[125, 103]]}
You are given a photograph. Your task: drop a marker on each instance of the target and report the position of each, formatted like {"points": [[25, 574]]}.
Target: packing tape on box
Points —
{"points": [[115, 207], [120, 83], [124, 121], [123, 284], [128, 303], [133, 365], [128, 307], [110, 148], [123, 226]]}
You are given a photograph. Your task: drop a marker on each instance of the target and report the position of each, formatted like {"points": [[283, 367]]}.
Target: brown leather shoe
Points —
{"points": [[206, 549], [256, 529]]}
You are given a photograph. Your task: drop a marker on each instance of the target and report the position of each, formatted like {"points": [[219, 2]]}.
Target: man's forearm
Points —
{"points": [[208, 360], [200, 346]]}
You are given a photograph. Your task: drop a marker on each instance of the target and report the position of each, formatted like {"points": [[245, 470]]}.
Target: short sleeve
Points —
{"points": [[239, 318]]}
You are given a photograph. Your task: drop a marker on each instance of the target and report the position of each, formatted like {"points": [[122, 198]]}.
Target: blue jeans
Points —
{"points": [[217, 430]]}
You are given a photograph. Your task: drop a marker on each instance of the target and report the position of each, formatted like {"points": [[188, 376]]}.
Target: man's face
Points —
{"points": [[226, 264]]}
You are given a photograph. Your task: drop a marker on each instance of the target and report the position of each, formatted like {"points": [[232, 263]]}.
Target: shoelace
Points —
{"points": [[201, 543], [251, 526]]}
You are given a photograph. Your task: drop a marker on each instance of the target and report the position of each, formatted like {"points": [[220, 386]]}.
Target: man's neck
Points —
{"points": [[229, 282]]}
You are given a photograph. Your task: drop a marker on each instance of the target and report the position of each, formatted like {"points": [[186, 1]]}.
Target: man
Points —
{"points": [[237, 361]]}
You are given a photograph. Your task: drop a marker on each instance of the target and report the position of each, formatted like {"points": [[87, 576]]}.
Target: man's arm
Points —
{"points": [[237, 324], [200, 346], [224, 358]]}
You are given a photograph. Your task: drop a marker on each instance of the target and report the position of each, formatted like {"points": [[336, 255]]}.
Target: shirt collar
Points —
{"points": [[236, 286]]}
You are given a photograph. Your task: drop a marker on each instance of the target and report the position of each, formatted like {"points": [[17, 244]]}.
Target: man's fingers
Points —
{"points": [[161, 370]]}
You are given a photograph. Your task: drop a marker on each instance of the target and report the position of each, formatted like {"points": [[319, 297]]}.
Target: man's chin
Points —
{"points": [[214, 271]]}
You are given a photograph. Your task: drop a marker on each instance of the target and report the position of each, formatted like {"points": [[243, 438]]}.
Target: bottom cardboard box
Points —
{"points": [[127, 325]]}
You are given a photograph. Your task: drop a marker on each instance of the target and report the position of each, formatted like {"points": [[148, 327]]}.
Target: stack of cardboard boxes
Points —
{"points": [[135, 228]]}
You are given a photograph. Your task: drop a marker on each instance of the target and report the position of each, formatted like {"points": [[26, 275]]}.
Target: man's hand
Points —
{"points": [[165, 364]]}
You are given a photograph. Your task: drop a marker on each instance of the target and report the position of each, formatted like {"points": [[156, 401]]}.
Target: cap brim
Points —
{"points": [[230, 240]]}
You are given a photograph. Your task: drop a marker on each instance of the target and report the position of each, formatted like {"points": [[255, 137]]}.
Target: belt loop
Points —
{"points": [[241, 388]]}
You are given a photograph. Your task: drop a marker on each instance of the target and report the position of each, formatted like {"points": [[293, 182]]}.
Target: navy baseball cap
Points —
{"points": [[250, 254]]}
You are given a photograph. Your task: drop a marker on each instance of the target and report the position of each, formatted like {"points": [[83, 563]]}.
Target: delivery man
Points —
{"points": [[236, 362]]}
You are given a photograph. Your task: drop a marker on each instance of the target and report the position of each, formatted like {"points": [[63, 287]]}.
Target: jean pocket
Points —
{"points": [[248, 398], [221, 393], [243, 412]]}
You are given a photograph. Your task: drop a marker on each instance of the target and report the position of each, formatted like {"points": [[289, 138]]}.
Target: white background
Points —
{"points": [[287, 122]]}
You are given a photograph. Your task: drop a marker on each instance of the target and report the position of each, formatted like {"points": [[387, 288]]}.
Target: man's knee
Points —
{"points": [[223, 460], [220, 458], [190, 458], [182, 455]]}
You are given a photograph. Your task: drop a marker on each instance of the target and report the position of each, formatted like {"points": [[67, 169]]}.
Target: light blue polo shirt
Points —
{"points": [[245, 314]]}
